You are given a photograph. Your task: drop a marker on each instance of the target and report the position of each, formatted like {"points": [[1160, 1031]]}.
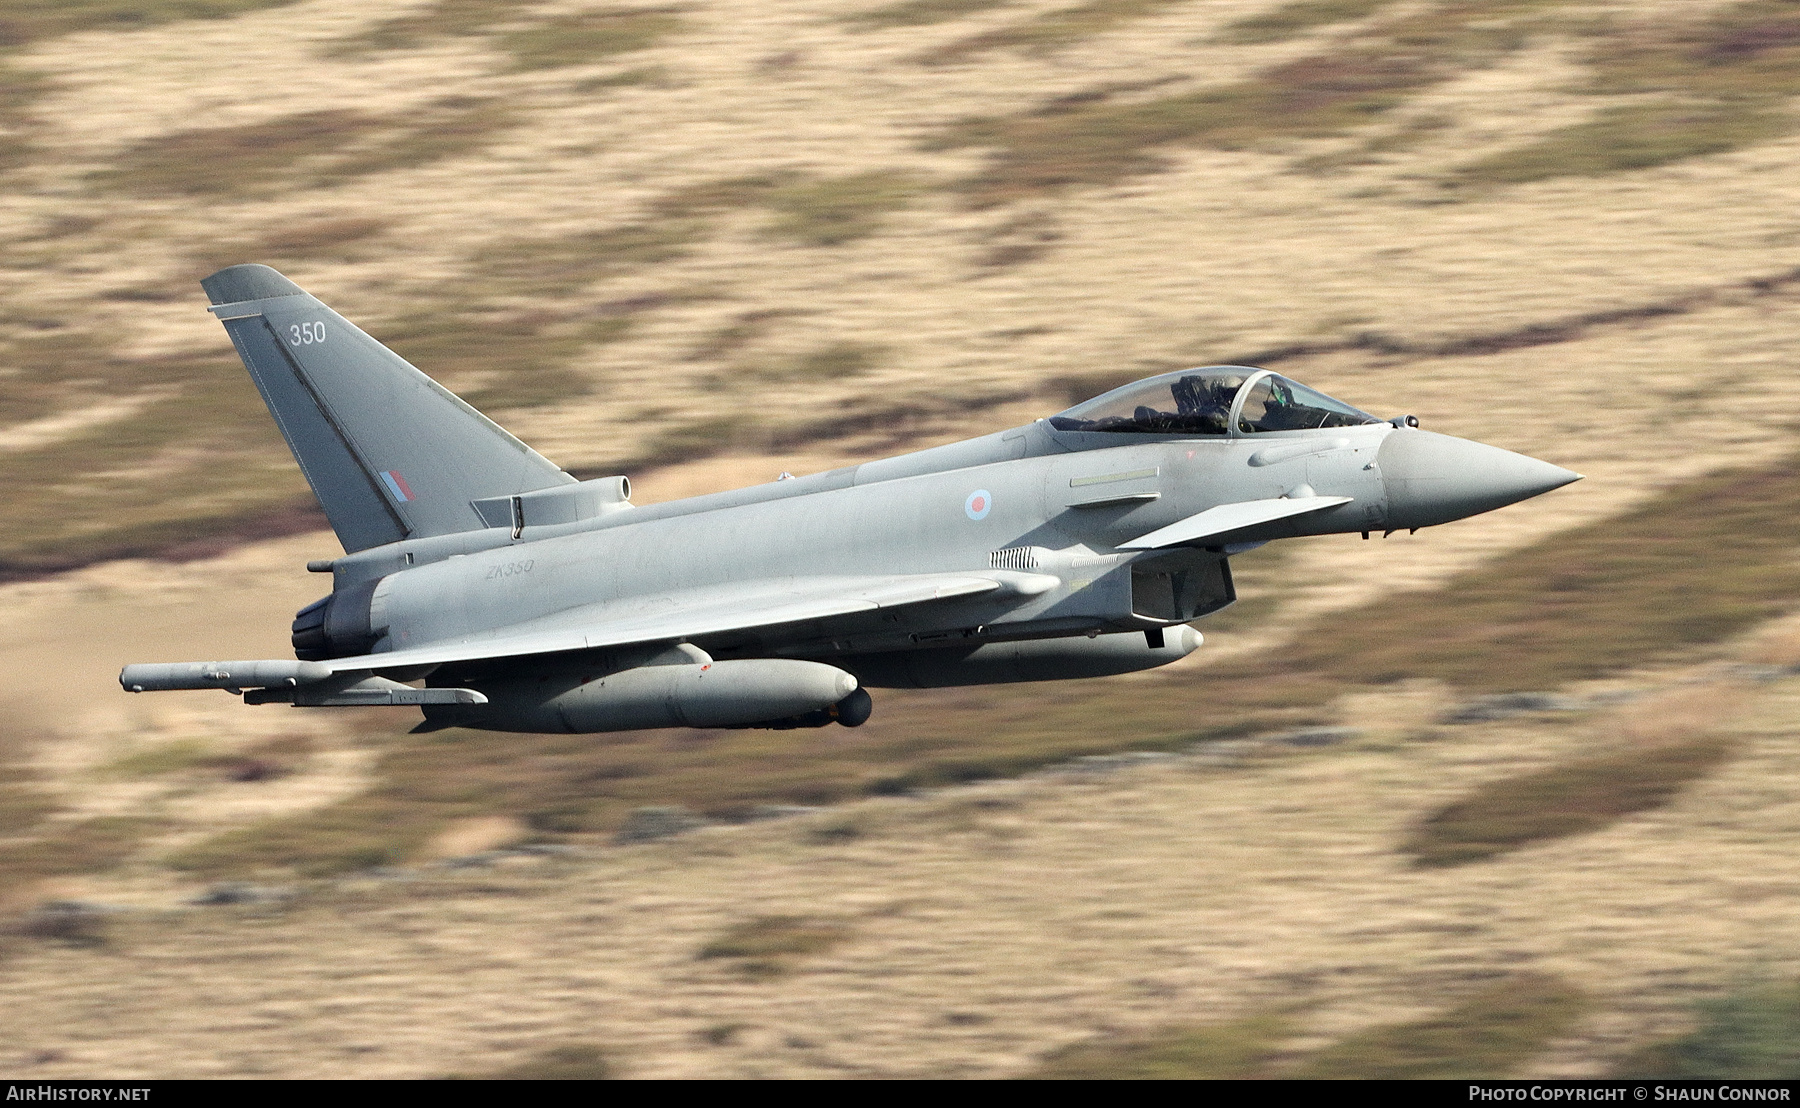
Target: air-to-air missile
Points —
{"points": [[493, 590]]}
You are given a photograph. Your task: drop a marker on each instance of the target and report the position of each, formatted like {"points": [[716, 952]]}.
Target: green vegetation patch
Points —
{"points": [[589, 37], [450, 128], [250, 159], [1720, 82], [1573, 798], [1750, 1034], [89, 846], [165, 758], [1491, 1033], [1632, 136], [444, 19], [1099, 139], [1021, 239], [357, 834], [772, 945], [829, 211], [566, 264], [273, 758], [1053, 30], [1405, 136], [19, 88], [306, 149], [725, 194], [37, 367], [919, 13], [1232, 1051], [27, 21], [321, 238], [1100, 136], [581, 38], [1746, 50], [747, 328], [1697, 564], [827, 363], [813, 211], [570, 1062], [147, 479], [1296, 18], [627, 78], [22, 807]]}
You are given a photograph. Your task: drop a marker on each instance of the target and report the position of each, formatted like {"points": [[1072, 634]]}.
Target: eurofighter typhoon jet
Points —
{"points": [[486, 586]]}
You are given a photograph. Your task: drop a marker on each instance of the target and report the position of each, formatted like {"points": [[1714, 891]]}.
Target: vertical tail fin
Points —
{"points": [[389, 452]]}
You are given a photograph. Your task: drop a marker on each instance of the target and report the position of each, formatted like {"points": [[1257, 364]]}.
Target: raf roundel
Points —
{"points": [[979, 503]]}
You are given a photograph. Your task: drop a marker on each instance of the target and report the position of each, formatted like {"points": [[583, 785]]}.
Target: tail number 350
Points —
{"points": [[306, 334]]}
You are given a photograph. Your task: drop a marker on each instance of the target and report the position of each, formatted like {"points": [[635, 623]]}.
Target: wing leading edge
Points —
{"points": [[673, 618], [1226, 518], [745, 607]]}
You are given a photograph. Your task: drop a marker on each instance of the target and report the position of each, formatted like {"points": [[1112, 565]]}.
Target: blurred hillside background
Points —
{"points": [[1519, 795]]}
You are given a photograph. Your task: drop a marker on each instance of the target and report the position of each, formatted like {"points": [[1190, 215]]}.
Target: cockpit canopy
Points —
{"points": [[1206, 401]]}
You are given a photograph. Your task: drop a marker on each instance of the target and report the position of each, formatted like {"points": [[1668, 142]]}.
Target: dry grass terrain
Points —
{"points": [[706, 242]]}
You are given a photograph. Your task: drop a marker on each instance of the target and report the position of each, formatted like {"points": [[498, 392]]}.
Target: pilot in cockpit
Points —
{"points": [[1203, 400]]}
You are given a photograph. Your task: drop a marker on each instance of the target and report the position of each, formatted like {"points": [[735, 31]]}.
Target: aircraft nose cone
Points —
{"points": [[1432, 478]]}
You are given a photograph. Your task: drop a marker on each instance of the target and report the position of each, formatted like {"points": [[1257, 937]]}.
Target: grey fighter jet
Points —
{"points": [[491, 589]]}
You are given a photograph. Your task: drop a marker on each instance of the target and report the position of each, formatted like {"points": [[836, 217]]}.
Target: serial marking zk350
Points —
{"points": [[1077, 546]]}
